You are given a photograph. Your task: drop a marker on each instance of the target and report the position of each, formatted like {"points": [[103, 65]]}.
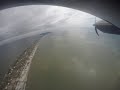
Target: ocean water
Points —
{"points": [[76, 59]]}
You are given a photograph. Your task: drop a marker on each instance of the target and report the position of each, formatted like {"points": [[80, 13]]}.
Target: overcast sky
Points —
{"points": [[25, 20]]}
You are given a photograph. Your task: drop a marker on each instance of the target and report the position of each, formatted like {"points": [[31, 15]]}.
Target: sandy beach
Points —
{"points": [[16, 77]]}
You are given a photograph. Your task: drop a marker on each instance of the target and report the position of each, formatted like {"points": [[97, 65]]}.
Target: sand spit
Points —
{"points": [[16, 77]]}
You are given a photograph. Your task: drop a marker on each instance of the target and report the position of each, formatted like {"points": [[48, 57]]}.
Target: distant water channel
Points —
{"points": [[76, 59]]}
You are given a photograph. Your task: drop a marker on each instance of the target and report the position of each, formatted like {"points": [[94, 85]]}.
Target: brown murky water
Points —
{"points": [[76, 59]]}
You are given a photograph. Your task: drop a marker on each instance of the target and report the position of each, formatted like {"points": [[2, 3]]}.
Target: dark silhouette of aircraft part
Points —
{"points": [[106, 27], [96, 31]]}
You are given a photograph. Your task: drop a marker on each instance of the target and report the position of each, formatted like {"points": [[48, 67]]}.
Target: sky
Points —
{"points": [[34, 19]]}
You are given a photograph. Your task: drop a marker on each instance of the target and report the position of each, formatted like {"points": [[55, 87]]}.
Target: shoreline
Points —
{"points": [[16, 77], [23, 78]]}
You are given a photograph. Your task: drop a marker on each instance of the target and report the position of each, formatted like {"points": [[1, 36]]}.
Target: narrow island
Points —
{"points": [[16, 77]]}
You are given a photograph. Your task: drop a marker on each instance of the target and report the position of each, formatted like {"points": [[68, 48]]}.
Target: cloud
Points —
{"points": [[25, 19]]}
